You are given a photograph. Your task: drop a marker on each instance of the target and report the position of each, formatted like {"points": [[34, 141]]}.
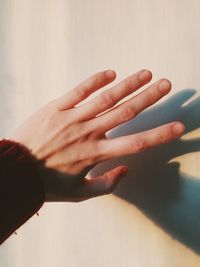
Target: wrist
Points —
{"points": [[13, 153]]}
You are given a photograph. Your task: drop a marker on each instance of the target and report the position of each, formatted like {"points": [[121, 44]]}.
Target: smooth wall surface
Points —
{"points": [[153, 217]]}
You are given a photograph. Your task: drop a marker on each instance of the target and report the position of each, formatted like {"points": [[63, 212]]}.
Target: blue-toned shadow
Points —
{"points": [[167, 196]]}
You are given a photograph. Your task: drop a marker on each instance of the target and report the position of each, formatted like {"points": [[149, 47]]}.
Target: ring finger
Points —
{"points": [[110, 97], [130, 108]]}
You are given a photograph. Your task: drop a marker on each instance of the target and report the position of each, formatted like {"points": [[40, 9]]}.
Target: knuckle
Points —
{"points": [[132, 83], [95, 156], [48, 118], [81, 91], [126, 114], [98, 79], [102, 154], [162, 138], [95, 159], [136, 145], [107, 100], [150, 97], [138, 81]]}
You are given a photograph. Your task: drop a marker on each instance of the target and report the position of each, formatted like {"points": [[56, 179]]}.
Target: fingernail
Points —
{"points": [[110, 74], [164, 86], [178, 129], [144, 75]]}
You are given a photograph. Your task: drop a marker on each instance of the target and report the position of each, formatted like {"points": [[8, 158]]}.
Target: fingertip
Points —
{"points": [[145, 75], [121, 173], [149, 73], [110, 74], [178, 128], [165, 86], [124, 170], [116, 174]]}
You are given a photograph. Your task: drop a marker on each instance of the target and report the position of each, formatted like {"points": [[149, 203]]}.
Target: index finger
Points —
{"points": [[136, 143]]}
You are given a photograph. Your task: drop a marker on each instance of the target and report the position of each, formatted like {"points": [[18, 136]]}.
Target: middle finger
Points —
{"points": [[130, 108], [110, 97]]}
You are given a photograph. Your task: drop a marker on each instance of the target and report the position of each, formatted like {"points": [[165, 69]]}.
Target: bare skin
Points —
{"points": [[71, 140]]}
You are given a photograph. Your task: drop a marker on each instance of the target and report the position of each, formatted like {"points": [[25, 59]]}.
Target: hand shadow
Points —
{"points": [[158, 188]]}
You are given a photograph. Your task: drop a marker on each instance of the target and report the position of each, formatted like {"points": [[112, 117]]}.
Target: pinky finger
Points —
{"points": [[101, 185], [139, 142]]}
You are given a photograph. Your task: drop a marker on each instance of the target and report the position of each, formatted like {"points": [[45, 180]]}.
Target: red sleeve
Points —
{"points": [[21, 189]]}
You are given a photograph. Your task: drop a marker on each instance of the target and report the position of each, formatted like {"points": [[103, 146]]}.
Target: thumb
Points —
{"points": [[101, 185]]}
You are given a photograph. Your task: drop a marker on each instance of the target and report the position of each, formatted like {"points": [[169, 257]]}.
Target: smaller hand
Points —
{"points": [[69, 141]]}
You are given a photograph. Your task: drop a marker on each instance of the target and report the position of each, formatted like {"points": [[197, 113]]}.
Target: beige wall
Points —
{"points": [[153, 217]]}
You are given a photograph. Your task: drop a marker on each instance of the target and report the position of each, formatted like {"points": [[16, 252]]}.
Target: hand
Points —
{"points": [[71, 140]]}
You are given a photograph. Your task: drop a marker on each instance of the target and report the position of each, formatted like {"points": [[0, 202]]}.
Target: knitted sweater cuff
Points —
{"points": [[21, 188]]}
